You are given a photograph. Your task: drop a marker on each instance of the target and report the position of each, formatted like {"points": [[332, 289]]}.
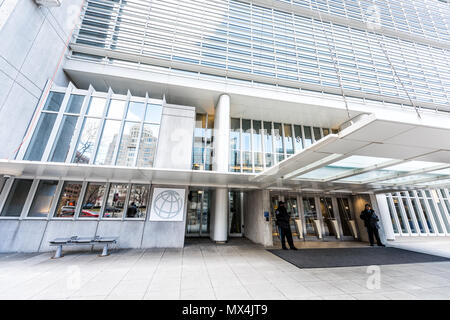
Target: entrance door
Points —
{"points": [[330, 224], [348, 223], [198, 213], [313, 226], [236, 214], [291, 204]]}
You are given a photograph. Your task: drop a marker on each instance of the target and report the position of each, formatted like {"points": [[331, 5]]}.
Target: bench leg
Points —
{"points": [[58, 253], [105, 250]]}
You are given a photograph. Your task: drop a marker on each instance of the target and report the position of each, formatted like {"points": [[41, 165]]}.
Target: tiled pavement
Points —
{"points": [[203, 270]]}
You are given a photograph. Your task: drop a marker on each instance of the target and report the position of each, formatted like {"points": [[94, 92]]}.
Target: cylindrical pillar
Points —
{"points": [[221, 134], [219, 227], [220, 220]]}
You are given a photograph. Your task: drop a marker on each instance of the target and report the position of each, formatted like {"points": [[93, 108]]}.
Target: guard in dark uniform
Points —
{"points": [[371, 223], [283, 217]]}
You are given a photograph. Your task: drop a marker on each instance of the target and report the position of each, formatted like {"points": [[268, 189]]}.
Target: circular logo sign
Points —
{"points": [[168, 204]]}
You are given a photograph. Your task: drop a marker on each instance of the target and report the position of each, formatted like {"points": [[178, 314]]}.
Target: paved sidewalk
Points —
{"points": [[203, 270]]}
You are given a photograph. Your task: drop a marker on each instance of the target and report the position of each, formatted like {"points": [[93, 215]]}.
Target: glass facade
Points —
{"points": [[283, 45], [256, 145], [203, 142], [113, 129], [59, 199]]}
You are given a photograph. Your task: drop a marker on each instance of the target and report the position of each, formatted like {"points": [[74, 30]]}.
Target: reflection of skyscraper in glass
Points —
{"points": [[129, 145], [110, 152]]}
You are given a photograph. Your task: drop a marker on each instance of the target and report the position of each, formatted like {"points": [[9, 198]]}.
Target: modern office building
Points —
{"points": [[158, 120]]}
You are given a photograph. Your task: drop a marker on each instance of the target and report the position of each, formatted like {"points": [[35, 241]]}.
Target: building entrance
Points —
{"points": [[317, 217], [199, 213]]}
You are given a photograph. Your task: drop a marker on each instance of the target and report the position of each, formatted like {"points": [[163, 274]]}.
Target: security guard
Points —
{"points": [[371, 222], [283, 217]]}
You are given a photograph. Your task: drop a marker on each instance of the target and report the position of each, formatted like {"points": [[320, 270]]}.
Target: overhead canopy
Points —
{"points": [[369, 155]]}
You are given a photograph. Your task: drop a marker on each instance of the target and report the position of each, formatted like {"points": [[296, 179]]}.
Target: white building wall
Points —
{"points": [[32, 41], [256, 228]]}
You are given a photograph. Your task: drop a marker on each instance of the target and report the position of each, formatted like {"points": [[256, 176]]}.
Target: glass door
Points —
{"points": [[275, 199], [330, 226], [292, 209], [348, 224], [198, 213], [235, 216], [313, 228]]}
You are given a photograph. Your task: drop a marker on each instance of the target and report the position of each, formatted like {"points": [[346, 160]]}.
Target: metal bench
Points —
{"points": [[75, 240]]}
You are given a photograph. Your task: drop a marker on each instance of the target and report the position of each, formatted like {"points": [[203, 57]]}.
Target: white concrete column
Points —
{"points": [[219, 232], [221, 134], [219, 227]]}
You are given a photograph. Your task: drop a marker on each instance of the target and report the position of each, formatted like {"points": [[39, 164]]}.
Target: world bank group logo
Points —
{"points": [[167, 205]]}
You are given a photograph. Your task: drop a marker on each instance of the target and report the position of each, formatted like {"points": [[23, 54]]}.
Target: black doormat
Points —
{"points": [[352, 257]]}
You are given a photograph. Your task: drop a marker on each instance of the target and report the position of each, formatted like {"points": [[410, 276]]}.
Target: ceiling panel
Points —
{"points": [[378, 131]]}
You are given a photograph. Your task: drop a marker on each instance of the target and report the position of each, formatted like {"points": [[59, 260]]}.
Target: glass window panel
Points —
{"points": [[147, 146], [428, 216], [246, 135], [43, 198], [247, 162], [258, 159], [68, 200], [317, 135], [96, 106], [288, 139], [392, 215], [308, 136], [235, 134], [75, 103], [257, 131], [417, 214], [16, 198], [86, 143], [116, 109], [108, 142], [443, 214], [269, 160], [93, 200], [54, 101], [235, 161], [115, 204], [199, 143], [153, 113], [137, 205], [63, 139], [40, 137], [278, 134], [399, 215], [268, 137], [136, 111], [128, 144], [298, 138], [279, 157], [435, 215], [408, 215], [325, 132]]}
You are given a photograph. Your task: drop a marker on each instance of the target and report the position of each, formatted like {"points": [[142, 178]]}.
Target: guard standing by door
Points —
{"points": [[284, 226], [371, 223]]}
